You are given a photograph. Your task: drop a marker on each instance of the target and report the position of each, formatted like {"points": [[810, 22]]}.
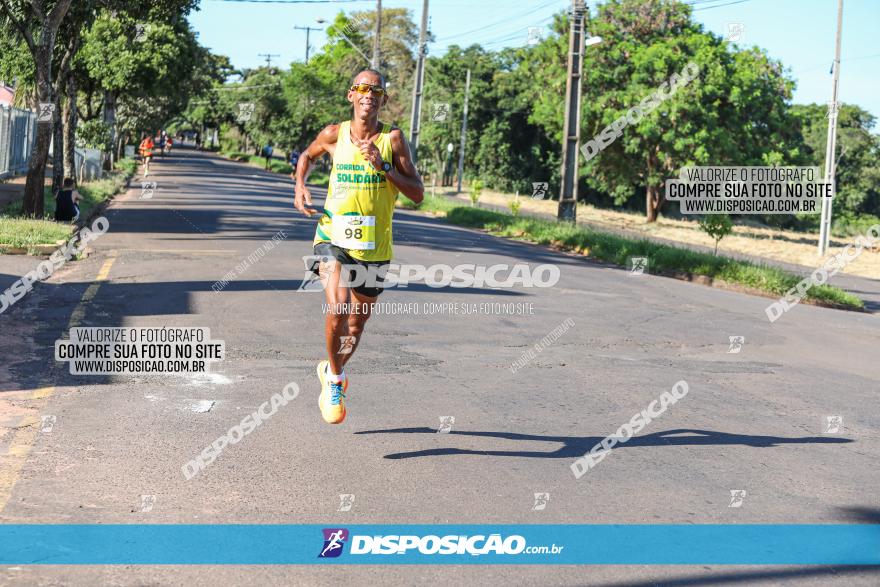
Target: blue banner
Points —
{"points": [[271, 544]]}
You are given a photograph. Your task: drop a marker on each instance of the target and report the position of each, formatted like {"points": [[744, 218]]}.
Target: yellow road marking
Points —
{"points": [[42, 392], [201, 251], [90, 293], [23, 438]]}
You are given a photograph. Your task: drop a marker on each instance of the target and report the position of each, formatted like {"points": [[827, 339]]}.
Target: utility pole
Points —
{"points": [[269, 57], [831, 145], [467, 91], [377, 33], [307, 29], [415, 119], [571, 132]]}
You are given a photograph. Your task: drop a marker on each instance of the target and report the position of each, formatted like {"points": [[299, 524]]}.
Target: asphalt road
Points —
{"points": [[753, 420]]}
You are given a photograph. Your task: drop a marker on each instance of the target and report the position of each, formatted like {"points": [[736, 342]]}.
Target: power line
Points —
{"points": [[499, 22], [824, 65], [719, 5], [293, 1], [511, 36], [221, 88]]}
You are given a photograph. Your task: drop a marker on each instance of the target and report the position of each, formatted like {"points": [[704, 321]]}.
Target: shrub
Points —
{"points": [[717, 226]]}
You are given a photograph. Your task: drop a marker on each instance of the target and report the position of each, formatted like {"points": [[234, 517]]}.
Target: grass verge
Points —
{"points": [[19, 232], [662, 259]]}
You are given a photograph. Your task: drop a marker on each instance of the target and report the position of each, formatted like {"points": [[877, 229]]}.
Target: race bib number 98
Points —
{"points": [[354, 232]]}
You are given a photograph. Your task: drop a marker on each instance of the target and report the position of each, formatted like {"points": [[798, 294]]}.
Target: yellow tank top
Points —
{"points": [[360, 200]]}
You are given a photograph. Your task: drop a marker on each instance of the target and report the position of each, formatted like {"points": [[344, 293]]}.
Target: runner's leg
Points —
{"points": [[336, 322], [361, 306]]}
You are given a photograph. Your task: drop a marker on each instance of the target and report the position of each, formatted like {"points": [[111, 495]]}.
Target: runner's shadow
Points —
{"points": [[576, 446]]}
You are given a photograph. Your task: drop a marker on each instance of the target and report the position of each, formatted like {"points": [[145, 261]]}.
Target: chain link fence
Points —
{"points": [[18, 129], [89, 164]]}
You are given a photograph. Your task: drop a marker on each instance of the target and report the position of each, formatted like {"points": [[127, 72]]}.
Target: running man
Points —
{"points": [[146, 148], [371, 165], [160, 142]]}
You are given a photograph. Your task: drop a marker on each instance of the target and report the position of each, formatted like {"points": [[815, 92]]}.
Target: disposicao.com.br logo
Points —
{"points": [[465, 275], [334, 540], [477, 545]]}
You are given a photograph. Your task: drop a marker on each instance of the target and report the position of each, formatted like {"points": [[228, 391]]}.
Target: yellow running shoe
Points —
{"points": [[332, 398]]}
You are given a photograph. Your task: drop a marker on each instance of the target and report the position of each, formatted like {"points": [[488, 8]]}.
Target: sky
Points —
{"points": [[799, 33]]}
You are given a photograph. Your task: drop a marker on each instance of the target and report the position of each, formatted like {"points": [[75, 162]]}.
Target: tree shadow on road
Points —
{"points": [[576, 446]]}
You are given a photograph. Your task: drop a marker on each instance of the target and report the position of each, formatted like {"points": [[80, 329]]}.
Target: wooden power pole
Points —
{"points": [[415, 119], [572, 128]]}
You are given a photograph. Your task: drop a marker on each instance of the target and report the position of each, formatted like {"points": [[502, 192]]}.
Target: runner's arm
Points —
{"points": [[403, 174], [324, 143]]}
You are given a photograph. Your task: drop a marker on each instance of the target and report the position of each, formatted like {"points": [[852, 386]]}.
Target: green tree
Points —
{"points": [[858, 155], [502, 145], [734, 113], [206, 107], [36, 24], [51, 32], [144, 69]]}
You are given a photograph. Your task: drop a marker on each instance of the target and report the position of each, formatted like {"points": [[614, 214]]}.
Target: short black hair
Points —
{"points": [[369, 70]]}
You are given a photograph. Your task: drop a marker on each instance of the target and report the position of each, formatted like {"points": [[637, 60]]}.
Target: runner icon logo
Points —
{"points": [[736, 344], [736, 498], [638, 265], [346, 501], [147, 503], [141, 30], [46, 112], [541, 500], [441, 111], [346, 344], [735, 31], [48, 423], [334, 540], [833, 424], [539, 189], [245, 111], [148, 188], [446, 423], [535, 33]]}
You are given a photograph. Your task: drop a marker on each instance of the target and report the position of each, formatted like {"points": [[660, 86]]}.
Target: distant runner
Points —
{"points": [[268, 151], [160, 142], [371, 165]]}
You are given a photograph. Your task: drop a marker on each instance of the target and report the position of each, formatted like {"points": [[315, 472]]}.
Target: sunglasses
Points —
{"points": [[365, 89]]}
